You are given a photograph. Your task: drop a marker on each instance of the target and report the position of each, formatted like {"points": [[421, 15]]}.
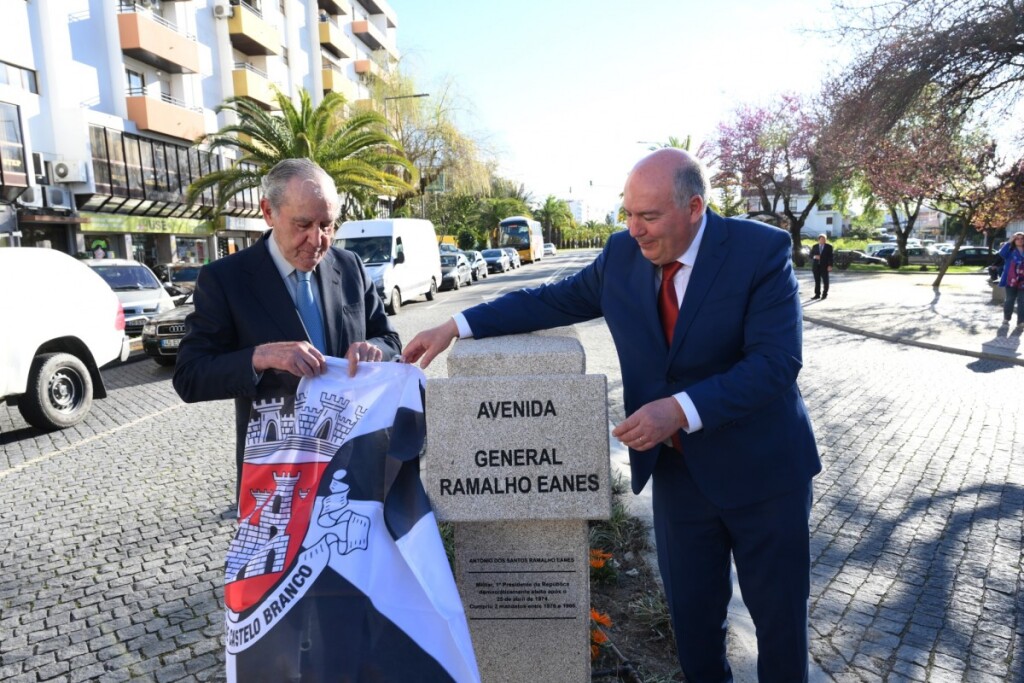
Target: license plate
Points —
{"points": [[169, 343]]}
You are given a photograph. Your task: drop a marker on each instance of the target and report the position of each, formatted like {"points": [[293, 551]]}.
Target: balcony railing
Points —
{"points": [[163, 97], [127, 7], [245, 66]]}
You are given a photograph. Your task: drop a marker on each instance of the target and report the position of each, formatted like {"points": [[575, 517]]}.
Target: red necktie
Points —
{"points": [[668, 305], [668, 311]]}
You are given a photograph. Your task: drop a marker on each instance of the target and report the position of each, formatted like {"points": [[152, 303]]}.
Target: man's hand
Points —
{"points": [[428, 343], [297, 357], [652, 424], [361, 351]]}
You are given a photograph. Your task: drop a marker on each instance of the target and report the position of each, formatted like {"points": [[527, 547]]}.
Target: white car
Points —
{"points": [[141, 294], [549, 249], [60, 328]]}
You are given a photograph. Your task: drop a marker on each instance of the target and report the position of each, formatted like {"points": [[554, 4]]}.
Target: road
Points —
{"points": [[114, 531]]}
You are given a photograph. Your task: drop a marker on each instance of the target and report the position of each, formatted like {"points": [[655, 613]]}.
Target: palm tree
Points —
{"points": [[553, 215], [355, 151], [673, 142]]}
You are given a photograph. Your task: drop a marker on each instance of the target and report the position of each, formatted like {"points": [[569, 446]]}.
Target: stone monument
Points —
{"points": [[517, 458]]}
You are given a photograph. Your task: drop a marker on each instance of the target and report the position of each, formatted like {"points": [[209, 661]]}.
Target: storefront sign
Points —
{"points": [[114, 222]]}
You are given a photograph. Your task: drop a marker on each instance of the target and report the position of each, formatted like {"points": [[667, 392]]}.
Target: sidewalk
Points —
{"points": [[897, 307]]}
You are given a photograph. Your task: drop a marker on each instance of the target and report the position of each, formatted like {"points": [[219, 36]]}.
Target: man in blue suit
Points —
{"points": [[246, 336], [715, 418]]}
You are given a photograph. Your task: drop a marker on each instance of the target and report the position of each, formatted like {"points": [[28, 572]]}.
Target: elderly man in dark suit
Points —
{"points": [[821, 266], [715, 418], [282, 305]]}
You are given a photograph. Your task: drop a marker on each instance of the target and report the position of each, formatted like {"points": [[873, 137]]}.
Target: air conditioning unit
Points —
{"points": [[69, 172], [58, 198], [32, 198], [222, 9]]}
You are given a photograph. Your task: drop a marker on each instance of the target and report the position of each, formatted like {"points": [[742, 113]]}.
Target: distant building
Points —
{"points": [[101, 102], [824, 217]]}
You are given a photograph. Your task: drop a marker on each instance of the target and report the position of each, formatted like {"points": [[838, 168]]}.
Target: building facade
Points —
{"points": [[101, 102]]}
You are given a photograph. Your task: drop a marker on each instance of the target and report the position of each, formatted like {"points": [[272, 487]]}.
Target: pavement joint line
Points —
{"points": [[913, 342], [60, 451]]}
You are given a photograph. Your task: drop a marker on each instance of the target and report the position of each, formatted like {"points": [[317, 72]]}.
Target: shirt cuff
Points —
{"points": [[693, 420], [460, 322]]}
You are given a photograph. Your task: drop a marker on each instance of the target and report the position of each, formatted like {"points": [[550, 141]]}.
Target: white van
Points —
{"points": [[61, 324], [400, 254]]}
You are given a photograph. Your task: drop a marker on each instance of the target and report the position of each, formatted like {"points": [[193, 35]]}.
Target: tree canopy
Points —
{"points": [[355, 151]]}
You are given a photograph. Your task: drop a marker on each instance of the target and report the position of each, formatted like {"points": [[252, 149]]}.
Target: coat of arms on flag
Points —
{"points": [[337, 571]]}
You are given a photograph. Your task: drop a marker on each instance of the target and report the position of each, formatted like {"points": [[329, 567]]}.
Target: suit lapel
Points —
{"points": [[270, 293], [329, 272], [710, 258]]}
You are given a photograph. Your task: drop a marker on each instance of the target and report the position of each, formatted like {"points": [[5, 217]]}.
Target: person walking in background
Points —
{"points": [[1012, 279], [281, 305], [821, 266], [715, 418]]}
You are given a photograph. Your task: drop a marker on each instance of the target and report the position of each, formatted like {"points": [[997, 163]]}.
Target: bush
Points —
{"points": [[894, 261], [843, 260]]}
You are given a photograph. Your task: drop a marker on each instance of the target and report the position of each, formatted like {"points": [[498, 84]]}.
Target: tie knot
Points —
{"points": [[669, 270], [303, 276]]}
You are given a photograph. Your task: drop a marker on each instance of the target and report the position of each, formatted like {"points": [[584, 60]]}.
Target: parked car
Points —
{"points": [[181, 275], [497, 260], [161, 335], [140, 292], [455, 270], [61, 324], [549, 249], [971, 256], [513, 257], [477, 264], [844, 257], [916, 256]]}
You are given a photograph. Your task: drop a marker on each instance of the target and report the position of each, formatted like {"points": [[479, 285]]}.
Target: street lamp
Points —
{"points": [[401, 97]]}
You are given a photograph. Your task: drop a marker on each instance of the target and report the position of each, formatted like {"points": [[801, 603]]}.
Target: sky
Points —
{"points": [[569, 94]]}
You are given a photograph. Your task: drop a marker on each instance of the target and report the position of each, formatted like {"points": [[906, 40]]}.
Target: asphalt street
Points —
{"points": [[114, 532]]}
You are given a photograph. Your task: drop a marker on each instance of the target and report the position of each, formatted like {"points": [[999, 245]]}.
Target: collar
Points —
{"points": [[689, 256], [280, 262]]}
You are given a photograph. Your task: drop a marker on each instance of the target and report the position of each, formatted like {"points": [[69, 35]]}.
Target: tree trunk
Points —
{"points": [[947, 261]]}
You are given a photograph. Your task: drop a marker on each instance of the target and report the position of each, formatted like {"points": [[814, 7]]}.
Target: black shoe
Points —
{"points": [[816, 296], [825, 295]]}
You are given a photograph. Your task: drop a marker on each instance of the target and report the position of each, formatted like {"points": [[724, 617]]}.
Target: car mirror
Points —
{"points": [[400, 257]]}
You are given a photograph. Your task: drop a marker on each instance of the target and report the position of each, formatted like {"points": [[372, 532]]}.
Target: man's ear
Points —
{"points": [[265, 210], [696, 207]]}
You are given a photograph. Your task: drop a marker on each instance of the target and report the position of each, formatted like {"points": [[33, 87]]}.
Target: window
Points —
{"points": [[12, 147], [18, 77], [136, 82], [828, 220]]}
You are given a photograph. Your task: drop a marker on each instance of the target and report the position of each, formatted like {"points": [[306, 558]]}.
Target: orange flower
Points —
{"points": [[598, 558], [594, 651], [600, 618], [598, 637]]}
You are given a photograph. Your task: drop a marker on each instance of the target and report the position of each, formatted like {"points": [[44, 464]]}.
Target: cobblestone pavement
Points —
{"points": [[114, 533]]}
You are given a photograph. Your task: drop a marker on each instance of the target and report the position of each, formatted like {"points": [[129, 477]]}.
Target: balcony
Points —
{"points": [[165, 114], [252, 83], [381, 7], [155, 41], [251, 34], [335, 81], [366, 67], [333, 7], [334, 40], [372, 37]]}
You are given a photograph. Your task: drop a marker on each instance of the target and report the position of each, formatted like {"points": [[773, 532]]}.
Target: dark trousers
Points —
{"points": [[820, 277], [770, 543]]}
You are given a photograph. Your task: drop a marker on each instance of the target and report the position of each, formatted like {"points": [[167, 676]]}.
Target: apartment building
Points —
{"points": [[101, 103]]}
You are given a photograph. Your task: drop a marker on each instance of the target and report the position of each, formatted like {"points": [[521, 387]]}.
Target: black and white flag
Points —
{"points": [[337, 571]]}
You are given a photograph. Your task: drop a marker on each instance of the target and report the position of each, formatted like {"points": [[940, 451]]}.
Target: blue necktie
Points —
{"points": [[309, 312]]}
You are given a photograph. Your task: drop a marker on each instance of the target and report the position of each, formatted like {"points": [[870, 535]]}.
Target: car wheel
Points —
{"points": [[59, 392], [165, 361], [958, 262], [396, 302], [432, 292], [456, 282]]}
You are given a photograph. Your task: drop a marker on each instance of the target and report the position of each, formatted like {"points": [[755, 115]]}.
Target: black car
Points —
{"points": [[162, 333], [972, 256], [455, 270], [844, 257], [497, 260]]}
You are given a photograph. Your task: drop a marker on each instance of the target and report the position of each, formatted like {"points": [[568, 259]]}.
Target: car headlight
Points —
{"points": [[149, 328], [378, 280]]}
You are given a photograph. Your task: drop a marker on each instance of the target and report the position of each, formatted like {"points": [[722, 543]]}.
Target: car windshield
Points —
{"points": [[448, 259], [126, 278], [493, 253], [368, 249], [189, 274]]}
